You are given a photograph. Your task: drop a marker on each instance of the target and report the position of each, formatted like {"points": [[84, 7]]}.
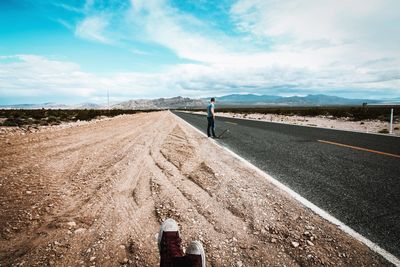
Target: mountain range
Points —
{"points": [[227, 100]]}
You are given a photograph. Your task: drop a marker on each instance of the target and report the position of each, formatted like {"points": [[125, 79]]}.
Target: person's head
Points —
{"points": [[212, 100]]}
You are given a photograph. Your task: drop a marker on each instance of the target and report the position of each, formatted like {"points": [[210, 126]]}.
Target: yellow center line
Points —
{"points": [[360, 148], [231, 122]]}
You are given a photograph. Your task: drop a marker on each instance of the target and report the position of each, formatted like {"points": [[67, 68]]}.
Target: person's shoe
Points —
{"points": [[169, 243], [195, 254]]}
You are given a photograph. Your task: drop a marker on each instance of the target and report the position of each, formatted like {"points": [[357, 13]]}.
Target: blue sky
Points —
{"points": [[74, 51]]}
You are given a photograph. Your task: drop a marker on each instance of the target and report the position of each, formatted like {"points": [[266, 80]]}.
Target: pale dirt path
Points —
{"points": [[95, 194]]}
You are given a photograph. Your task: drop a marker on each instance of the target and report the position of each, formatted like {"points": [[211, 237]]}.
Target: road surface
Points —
{"points": [[353, 176]]}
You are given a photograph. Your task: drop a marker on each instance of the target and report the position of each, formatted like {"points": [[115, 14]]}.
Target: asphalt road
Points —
{"points": [[361, 188]]}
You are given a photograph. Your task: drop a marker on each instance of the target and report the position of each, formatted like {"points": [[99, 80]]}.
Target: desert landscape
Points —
{"points": [[95, 193]]}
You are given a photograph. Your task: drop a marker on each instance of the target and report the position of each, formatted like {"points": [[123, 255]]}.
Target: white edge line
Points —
{"points": [[324, 214], [286, 123]]}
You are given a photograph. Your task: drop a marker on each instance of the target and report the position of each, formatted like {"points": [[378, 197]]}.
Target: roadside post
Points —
{"points": [[391, 122], [108, 100]]}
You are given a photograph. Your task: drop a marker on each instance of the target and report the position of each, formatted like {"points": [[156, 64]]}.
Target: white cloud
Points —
{"points": [[182, 33], [346, 32], [32, 75], [337, 22], [94, 28]]}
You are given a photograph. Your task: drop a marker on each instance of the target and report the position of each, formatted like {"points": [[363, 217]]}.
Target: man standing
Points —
{"points": [[211, 118]]}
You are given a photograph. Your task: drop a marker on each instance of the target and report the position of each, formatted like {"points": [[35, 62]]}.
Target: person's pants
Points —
{"points": [[211, 126]]}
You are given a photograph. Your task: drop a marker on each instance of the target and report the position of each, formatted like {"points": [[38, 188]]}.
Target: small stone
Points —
{"points": [[71, 224], [309, 243], [80, 230], [122, 247], [92, 258], [308, 227], [28, 192], [295, 244], [273, 240], [239, 263], [125, 260]]}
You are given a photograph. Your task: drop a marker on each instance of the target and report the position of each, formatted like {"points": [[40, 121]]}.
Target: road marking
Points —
{"points": [[324, 214], [234, 123], [360, 148]]}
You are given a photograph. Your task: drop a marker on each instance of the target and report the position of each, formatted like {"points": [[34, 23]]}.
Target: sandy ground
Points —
{"points": [[366, 126], [95, 194]]}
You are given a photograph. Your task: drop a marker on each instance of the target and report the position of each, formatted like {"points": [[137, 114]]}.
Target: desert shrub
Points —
{"points": [[87, 114], [20, 117], [385, 131], [13, 122], [354, 113], [51, 119]]}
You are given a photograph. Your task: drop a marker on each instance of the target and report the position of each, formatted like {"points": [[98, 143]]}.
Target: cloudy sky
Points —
{"points": [[73, 51]]}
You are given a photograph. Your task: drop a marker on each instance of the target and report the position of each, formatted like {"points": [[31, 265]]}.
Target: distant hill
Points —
{"points": [[36, 106], [227, 100], [87, 106], [52, 106], [248, 98], [161, 103], [309, 100]]}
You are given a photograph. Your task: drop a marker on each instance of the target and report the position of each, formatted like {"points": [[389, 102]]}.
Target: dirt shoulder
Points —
{"points": [[95, 194]]}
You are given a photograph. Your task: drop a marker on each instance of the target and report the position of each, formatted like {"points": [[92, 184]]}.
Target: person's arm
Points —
{"points": [[212, 111]]}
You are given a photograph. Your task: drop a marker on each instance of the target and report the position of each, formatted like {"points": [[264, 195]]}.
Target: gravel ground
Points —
{"points": [[94, 194]]}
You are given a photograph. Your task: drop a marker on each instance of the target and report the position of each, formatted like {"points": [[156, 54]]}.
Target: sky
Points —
{"points": [[74, 51]]}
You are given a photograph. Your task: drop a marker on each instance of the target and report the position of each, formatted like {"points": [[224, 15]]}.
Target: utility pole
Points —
{"points": [[108, 99], [391, 122]]}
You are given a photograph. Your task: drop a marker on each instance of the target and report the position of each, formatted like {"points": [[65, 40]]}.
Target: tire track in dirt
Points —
{"points": [[94, 173], [212, 217]]}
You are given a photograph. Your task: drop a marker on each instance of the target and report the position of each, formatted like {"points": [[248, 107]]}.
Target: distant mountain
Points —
{"points": [[161, 103], [49, 105], [227, 100], [248, 98], [323, 100], [87, 106], [309, 100], [53, 106]]}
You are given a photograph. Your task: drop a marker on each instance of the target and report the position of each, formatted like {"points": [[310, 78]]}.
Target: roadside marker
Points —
{"points": [[317, 210], [359, 148], [391, 122]]}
